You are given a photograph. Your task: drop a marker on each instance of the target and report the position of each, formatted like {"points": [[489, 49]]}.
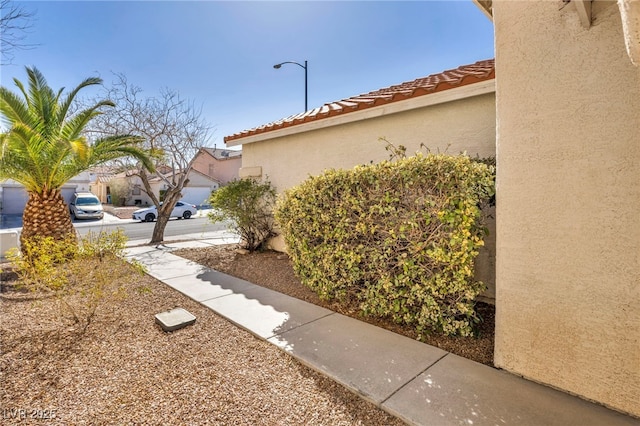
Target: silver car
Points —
{"points": [[85, 205], [182, 210]]}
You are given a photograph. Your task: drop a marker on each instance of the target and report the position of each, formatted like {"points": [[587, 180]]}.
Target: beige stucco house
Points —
{"points": [[452, 111], [568, 212], [210, 168], [565, 130]]}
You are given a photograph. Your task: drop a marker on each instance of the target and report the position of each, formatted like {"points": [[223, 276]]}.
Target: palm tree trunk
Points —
{"points": [[46, 215]]}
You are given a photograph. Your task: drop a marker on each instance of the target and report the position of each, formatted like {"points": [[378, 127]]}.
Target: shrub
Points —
{"points": [[79, 276], [120, 192], [399, 237], [248, 205]]}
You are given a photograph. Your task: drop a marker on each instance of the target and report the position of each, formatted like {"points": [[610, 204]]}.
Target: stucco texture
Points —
{"points": [[463, 125], [568, 221]]}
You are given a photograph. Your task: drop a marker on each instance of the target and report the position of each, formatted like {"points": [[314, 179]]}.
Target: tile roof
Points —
{"points": [[223, 154], [105, 178], [450, 79]]}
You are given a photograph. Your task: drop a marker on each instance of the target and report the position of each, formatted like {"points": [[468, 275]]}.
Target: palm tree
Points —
{"points": [[45, 146]]}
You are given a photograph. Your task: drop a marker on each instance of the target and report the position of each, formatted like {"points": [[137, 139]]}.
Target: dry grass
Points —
{"points": [[124, 370]]}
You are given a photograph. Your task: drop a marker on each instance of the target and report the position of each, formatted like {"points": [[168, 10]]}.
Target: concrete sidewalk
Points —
{"points": [[418, 383]]}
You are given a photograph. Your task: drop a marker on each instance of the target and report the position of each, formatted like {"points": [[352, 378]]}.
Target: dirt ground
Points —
{"points": [[123, 369], [273, 270], [120, 212]]}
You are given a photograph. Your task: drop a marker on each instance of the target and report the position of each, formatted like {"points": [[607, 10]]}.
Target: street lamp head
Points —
{"points": [[277, 66], [291, 62]]}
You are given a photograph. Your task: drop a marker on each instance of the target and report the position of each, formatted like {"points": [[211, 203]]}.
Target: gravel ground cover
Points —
{"points": [[124, 370], [273, 270]]}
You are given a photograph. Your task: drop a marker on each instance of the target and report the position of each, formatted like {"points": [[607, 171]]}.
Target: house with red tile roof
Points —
{"points": [[451, 111], [565, 131]]}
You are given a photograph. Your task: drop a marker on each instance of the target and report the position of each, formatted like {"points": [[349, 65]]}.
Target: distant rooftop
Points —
{"points": [[450, 79], [223, 154]]}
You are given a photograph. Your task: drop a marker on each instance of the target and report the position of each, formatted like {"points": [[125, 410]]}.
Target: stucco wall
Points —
{"points": [[568, 230], [223, 171], [453, 127]]}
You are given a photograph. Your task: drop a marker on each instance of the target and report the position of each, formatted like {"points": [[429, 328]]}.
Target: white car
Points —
{"points": [[182, 210]]}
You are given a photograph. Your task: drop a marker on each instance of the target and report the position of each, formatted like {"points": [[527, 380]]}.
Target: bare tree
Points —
{"points": [[173, 130], [14, 23]]}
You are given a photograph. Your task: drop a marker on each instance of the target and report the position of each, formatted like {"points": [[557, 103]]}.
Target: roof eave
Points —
{"points": [[486, 7], [454, 94]]}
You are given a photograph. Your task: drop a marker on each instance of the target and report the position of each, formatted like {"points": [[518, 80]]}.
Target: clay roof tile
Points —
{"points": [[449, 79]]}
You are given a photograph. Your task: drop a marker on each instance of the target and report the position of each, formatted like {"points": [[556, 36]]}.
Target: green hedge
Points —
{"points": [[247, 205], [398, 237]]}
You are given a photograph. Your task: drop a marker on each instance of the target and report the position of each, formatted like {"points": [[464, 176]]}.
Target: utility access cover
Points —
{"points": [[175, 319]]}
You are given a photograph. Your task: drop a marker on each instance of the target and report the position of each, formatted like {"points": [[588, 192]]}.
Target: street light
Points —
{"points": [[305, 66]]}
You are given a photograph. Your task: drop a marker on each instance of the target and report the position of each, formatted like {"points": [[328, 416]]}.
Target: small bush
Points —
{"points": [[79, 276], [248, 204], [398, 237]]}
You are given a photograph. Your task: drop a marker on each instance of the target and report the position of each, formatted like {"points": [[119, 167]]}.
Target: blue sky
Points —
{"points": [[221, 54]]}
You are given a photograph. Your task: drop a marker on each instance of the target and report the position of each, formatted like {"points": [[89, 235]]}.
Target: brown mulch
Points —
{"points": [[122, 369], [273, 270]]}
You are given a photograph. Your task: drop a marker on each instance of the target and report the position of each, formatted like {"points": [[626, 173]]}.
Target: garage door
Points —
{"points": [[67, 193], [196, 195], [14, 200]]}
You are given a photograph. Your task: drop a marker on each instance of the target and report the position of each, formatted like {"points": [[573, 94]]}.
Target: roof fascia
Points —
{"points": [[212, 179], [210, 154], [486, 7], [458, 93], [203, 150]]}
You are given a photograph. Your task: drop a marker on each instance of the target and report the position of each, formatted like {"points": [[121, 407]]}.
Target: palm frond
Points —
{"points": [[40, 94], [113, 147], [13, 108], [44, 147], [68, 100], [74, 126]]}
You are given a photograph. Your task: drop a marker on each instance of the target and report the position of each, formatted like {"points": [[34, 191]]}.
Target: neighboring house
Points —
{"points": [[13, 196], [199, 188], [197, 191], [223, 165], [452, 111], [568, 202], [122, 190], [100, 184]]}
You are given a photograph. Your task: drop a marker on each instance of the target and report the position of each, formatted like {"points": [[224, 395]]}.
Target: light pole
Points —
{"points": [[305, 67]]}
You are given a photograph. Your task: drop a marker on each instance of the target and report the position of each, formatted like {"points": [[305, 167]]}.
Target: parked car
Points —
{"points": [[182, 210], [85, 205]]}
